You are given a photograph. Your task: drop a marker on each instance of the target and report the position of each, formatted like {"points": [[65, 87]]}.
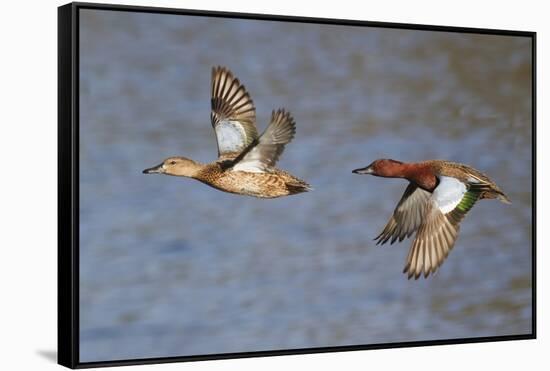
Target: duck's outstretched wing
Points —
{"points": [[233, 113], [407, 216], [436, 235], [263, 153]]}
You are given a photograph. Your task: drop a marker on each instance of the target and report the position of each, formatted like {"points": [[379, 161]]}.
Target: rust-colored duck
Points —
{"points": [[246, 161], [438, 196]]}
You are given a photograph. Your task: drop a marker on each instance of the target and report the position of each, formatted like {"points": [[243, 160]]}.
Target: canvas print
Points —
{"points": [[224, 202]]}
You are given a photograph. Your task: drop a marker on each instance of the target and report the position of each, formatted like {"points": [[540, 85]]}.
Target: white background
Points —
{"points": [[28, 164]]}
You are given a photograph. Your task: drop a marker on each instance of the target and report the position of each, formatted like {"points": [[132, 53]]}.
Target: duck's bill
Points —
{"points": [[364, 170], [154, 170]]}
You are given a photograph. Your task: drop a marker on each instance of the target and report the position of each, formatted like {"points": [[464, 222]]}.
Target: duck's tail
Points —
{"points": [[503, 198], [297, 186], [496, 193]]}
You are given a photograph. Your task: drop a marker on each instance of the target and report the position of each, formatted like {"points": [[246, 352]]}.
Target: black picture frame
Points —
{"points": [[68, 183]]}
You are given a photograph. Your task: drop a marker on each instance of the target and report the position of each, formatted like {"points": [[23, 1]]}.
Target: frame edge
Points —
{"points": [[299, 19], [67, 317]]}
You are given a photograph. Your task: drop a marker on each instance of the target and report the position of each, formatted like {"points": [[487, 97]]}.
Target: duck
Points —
{"points": [[439, 195], [246, 163]]}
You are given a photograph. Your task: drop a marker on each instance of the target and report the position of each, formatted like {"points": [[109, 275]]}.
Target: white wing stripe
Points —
{"points": [[255, 166], [230, 136], [448, 193]]}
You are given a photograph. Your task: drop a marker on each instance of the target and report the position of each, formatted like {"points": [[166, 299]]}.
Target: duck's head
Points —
{"points": [[178, 166], [383, 167]]}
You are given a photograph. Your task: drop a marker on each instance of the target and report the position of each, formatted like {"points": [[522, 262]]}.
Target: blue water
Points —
{"points": [[171, 267]]}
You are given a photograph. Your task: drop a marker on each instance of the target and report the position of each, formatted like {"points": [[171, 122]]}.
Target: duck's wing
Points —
{"points": [[233, 113], [407, 216], [263, 153], [471, 175], [446, 208]]}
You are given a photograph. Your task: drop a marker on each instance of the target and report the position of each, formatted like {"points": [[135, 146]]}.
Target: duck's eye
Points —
{"points": [[172, 162]]}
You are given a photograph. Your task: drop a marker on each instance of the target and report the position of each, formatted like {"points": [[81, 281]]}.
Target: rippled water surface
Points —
{"points": [[169, 266]]}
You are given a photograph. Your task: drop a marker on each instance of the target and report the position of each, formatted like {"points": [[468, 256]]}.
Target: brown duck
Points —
{"points": [[246, 161], [438, 196]]}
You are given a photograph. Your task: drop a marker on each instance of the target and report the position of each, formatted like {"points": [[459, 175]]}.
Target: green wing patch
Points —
{"points": [[468, 201]]}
